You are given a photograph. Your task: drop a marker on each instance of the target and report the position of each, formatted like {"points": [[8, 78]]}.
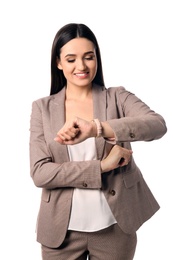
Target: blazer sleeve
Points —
{"points": [[136, 121], [50, 171]]}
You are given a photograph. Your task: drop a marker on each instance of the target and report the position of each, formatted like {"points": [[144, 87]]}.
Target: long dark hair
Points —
{"points": [[64, 35]]}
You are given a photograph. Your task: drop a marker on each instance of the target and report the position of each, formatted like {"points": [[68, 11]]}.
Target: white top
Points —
{"points": [[90, 210]]}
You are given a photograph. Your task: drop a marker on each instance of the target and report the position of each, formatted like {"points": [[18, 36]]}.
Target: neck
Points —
{"points": [[73, 92]]}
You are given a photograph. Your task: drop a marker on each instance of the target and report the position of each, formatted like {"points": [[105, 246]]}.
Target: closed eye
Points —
{"points": [[71, 60], [90, 57]]}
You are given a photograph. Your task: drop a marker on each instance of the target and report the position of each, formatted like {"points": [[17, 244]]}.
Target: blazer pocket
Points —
{"points": [[46, 195], [131, 178]]}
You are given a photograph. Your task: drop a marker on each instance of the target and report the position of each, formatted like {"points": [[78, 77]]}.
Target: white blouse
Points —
{"points": [[90, 210]]}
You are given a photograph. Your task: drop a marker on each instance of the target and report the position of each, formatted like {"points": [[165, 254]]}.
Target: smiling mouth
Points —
{"points": [[82, 75]]}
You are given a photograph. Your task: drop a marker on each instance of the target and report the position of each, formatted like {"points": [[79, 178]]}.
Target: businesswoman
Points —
{"points": [[94, 197]]}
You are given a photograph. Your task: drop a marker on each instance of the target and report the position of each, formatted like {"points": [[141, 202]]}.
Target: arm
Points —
{"points": [[136, 121], [130, 120], [49, 163]]}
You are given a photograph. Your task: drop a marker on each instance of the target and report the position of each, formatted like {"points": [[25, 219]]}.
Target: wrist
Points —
{"points": [[102, 166], [99, 128]]}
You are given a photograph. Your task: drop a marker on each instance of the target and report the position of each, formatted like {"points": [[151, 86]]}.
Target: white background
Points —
{"points": [[136, 44]]}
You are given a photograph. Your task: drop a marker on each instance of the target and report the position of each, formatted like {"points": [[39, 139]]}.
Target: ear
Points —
{"points": [[58, 64]]}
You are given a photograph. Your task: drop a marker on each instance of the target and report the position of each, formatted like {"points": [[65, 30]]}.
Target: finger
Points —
{"points": [[69, 134], [72, 131], [58, 139], [124, 161]]}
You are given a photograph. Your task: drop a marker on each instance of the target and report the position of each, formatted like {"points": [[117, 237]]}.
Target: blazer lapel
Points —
{"points": [[99, 101], [57, 110], [57, 113]]}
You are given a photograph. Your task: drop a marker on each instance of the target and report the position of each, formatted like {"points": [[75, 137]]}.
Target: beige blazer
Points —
{"points": [[128, 195]]}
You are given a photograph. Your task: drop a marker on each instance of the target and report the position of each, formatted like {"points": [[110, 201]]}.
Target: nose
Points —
{"points": [[81, 64]]}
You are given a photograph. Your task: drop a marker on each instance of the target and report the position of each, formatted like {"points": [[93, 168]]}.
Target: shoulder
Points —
{"points": [[116, 90], [113, 90], [119, 93], [44, 101]]}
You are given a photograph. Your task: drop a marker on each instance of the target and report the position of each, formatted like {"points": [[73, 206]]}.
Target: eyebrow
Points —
{"points": [[86, 53]]}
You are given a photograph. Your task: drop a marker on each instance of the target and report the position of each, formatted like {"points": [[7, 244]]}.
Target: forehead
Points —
{"points": [[77, 46]]}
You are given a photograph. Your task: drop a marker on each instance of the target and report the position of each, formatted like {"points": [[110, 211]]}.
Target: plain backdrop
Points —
{"points": [[136, 44]]}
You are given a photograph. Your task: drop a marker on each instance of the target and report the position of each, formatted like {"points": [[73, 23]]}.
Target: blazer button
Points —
{"points": [[112, 192], [85, 184], [132, 135]]}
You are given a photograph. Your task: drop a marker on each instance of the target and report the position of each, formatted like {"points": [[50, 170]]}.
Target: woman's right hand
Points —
{"points": [[117, 157]]}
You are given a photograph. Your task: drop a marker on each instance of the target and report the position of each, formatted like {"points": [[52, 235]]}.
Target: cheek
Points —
{"points": [[94, 67], [67, 68], [67, 71]]}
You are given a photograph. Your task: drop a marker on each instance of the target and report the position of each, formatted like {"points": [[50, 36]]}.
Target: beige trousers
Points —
{"points": [[107, 244]]}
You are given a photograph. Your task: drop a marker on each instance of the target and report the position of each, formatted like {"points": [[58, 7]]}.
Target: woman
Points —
{"points": [[94, 197]]}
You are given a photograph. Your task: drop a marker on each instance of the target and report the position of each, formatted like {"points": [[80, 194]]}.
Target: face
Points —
{"points": [[78, 61]]}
